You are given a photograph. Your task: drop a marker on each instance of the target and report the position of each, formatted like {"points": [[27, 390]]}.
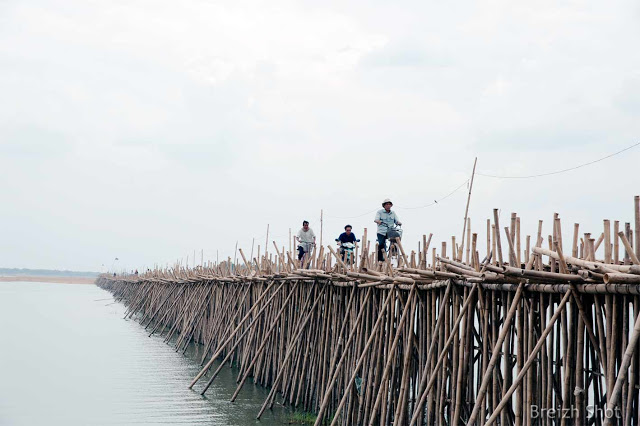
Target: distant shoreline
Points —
{"points": [[48, 279]]}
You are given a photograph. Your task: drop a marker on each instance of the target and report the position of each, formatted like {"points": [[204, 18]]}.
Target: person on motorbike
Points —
{"points": [[386, 220], [346, 237], [306, 239]]}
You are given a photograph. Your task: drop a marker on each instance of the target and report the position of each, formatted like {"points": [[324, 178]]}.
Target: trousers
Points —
{"points": [[382, 246]]}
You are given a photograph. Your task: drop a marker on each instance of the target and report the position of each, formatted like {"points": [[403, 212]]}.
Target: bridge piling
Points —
{"points": [[536, 338]]}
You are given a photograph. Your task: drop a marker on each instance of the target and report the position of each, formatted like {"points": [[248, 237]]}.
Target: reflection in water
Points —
{"points": [[67, 357]]}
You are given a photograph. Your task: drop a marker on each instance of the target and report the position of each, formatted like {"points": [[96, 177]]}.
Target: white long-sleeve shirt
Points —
{"points": [[306, 237]]}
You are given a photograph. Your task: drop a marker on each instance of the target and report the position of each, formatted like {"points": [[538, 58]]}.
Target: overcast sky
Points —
{"points": [[145, 130]]}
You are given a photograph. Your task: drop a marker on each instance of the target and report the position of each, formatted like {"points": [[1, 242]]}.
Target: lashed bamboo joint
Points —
{"points": [[524, 337]]}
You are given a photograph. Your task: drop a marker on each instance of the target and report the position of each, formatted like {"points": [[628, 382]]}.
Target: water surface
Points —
{"points": [[68, 358]]}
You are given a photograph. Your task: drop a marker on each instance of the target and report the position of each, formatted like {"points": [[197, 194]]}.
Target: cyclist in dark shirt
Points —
{"points": [[347, 236]]}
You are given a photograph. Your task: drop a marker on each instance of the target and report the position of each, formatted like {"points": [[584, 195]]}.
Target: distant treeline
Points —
{"points": [[46, 272]]}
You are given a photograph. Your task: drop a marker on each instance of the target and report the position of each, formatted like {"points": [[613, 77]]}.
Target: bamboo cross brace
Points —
{"points": [[624, 366], [391, 357], [264, 342], [224, 344], [629, 249], [534, 352], [336, 415], [334, 376], [404, 256], [404, 387], [290, 350], [239, 339], [437, 329], [454, 332], [497, 348]]}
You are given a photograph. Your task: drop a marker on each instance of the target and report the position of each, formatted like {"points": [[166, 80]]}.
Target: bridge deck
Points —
{"points": [[550, 340]]}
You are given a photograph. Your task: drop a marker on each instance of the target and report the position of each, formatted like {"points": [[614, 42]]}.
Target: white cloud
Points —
{"points": [[144, 129]]}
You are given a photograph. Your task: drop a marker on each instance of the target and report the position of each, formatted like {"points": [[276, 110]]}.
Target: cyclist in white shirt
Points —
{"points": [[306, 239]]}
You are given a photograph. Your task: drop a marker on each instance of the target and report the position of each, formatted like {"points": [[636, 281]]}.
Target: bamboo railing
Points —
{"points": [[545, 335]]}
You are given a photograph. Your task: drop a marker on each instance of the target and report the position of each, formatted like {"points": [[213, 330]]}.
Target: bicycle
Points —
{"points": [[306, 249], [393, 234]]}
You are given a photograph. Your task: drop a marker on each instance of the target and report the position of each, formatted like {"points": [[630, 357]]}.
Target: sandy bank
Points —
{"points": [[45, 279]]}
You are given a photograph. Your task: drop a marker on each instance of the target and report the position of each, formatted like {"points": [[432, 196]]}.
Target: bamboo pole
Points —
{"points": [[442, 355], [310, 335], [224, 344], [624, 366], [636, 212], [336, 370], [336, 415], [321, 223], [525, 367], [488, 372], [629, 249], [390, 359], [497, 235], [289, 353], [239, 339]]}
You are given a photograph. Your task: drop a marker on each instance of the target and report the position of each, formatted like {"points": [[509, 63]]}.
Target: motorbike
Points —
{"points": [[347, 250]]}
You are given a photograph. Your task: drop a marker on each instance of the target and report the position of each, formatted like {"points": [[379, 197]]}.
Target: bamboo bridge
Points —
{"points": [[541, 335]]}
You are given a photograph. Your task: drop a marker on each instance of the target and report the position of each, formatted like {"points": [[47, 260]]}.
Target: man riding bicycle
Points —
{"points": [[306, 239], [386, 220]]}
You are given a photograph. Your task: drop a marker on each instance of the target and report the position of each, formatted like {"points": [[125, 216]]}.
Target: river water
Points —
{"points": [[68, 358]]}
